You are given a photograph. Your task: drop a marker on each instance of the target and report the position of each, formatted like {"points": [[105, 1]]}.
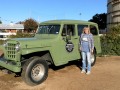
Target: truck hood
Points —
{"points": [[33, 42]]}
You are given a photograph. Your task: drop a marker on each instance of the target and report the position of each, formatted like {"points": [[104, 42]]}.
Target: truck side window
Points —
{"points": [[93, 30], [68, 30], [80, 28]]}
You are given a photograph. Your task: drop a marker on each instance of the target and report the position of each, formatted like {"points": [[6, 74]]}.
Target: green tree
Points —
{"points": [[100, 19], [30, 25]]}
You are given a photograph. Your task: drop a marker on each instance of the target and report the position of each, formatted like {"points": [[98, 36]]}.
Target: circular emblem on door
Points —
{"points": [[69, 46]]}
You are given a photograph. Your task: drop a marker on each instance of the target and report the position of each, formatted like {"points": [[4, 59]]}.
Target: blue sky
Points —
{"points": [[42, 10]]}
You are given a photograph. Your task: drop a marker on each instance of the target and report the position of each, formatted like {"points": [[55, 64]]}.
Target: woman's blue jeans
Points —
{"points": [[86, 58]]}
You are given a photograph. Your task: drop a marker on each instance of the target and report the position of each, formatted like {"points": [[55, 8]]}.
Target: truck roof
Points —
{"points": [[67, 22]]}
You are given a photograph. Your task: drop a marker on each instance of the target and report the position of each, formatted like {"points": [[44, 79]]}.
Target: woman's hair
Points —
{"points": [[86, 28]]}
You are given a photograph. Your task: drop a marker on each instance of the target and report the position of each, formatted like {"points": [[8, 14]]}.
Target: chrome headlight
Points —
{"points": [[17, 46]]}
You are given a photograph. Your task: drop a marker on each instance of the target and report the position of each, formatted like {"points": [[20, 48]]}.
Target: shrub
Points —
{"points": [[22, 35], [111, 42], [18, 35]]}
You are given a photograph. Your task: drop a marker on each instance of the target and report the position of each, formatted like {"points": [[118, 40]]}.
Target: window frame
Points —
{"points": [[85, 25], [66, 28], [96, 33]]}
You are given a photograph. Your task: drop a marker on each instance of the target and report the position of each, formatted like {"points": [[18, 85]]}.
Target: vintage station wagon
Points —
{"points": [[56, 42]]}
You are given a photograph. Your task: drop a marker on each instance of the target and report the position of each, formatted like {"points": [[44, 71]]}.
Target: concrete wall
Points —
{"points": [[113, 16]]}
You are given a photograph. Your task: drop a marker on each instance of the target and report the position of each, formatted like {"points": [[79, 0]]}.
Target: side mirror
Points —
{"points": [[68, 37]]}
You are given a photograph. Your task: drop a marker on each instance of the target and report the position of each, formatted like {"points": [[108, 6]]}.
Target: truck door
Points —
{"points": [[69, 43]]}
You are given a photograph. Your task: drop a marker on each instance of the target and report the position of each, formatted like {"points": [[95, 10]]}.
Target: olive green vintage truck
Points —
{"points": [[56, 42]]}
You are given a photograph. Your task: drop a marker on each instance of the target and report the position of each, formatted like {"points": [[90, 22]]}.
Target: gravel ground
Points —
{"points": [[105, 75]]}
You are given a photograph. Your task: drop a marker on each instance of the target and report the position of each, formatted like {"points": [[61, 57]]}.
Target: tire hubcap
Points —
{"points": [[38, 72]]}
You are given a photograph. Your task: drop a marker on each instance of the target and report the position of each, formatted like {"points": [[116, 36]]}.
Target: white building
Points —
{"points": [[9, 29]]}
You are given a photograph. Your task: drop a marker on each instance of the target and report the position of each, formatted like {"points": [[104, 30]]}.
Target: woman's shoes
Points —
{"points": [[88, 72], [83, 71]]}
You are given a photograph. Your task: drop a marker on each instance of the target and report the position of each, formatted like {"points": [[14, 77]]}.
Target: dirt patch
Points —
{"points": [[105, 76]]}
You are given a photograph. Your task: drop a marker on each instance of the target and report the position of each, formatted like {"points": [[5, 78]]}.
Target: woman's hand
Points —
{"points": [[79, 49], [92, 51]]}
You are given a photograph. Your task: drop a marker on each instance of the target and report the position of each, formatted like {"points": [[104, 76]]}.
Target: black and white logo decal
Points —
{"points": [[69, 46]]}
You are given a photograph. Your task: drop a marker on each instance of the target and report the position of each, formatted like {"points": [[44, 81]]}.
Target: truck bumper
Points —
{"points": [[9, 65]]}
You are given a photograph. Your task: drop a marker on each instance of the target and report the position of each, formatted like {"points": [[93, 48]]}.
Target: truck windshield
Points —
{"points": [[48, 29]]}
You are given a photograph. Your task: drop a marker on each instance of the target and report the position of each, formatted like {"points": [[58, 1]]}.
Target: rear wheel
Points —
{"points": [[93, 58], [35, 71]]}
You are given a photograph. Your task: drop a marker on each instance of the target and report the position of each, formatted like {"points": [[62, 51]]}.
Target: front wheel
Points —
{"points": [[35, 71], [93, 58]]}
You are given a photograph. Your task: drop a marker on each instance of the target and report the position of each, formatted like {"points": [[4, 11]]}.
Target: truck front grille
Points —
{"points": [[10, 50]]}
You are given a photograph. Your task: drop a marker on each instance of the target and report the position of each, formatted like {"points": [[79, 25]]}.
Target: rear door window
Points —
{"points": [[80, 28], [93, 30]]}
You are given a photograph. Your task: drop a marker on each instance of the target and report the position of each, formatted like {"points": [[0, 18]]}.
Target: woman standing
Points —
{"points": [[87, 47]]}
